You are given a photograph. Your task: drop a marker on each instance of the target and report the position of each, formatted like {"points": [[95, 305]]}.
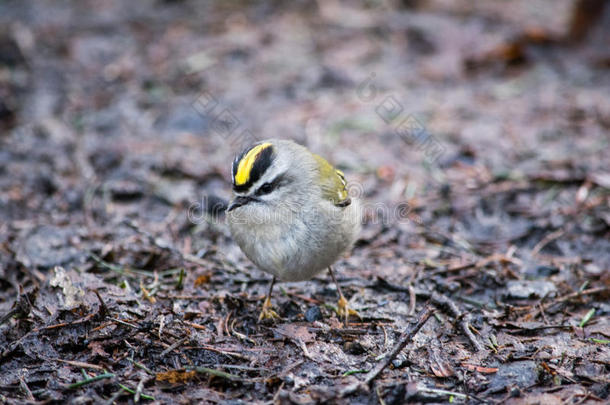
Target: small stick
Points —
{"points": [[455, 394], [194, 325], [80, 364], [445, 304], [61, 325], [173, 346], [220, 351], [412, 300], [577, 294], [217, 373], [26, 389], [139, 388], [405, 338], [545, 241], [124, 323], [303, 347], [463, 319]]}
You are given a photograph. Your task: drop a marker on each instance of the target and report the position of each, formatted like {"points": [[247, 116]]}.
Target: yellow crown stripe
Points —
{"points": [[245, 164]]}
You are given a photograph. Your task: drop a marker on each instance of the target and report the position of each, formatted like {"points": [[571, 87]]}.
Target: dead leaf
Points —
{"points": [[176, 376], [201, 280], [72, 295], [97, 349], [297, 332]]}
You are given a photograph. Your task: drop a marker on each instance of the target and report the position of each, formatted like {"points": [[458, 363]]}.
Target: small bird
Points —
{"points": [[291, 214]]}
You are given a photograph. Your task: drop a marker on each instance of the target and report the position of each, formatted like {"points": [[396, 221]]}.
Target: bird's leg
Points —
{"points": [[267, 311], [343, 309]]}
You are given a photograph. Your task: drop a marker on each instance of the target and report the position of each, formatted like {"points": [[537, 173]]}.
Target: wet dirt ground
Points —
{"points": [[475, 135]]}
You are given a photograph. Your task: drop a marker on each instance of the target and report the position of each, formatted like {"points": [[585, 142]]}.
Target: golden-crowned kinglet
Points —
{"points": [[291, 214]]}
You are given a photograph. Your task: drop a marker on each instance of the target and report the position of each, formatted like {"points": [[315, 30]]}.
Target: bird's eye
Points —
{"points": [[265, 189]]}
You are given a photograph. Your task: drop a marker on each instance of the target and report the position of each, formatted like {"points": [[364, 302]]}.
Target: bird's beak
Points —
{"points": [[238, 202]]}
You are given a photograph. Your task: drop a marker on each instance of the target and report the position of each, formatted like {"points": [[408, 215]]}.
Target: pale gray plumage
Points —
{"points": [[295, 231]]}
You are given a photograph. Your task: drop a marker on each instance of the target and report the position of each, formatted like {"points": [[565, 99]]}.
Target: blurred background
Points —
{"points": [[471, 130], [114, 110]]}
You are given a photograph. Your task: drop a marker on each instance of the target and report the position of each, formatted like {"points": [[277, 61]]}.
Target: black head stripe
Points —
{"points": [[263, 160], [236, 161]]}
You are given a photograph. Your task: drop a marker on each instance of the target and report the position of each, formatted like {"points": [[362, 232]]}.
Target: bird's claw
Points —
{"points": [[267, 312], [344, 311]]}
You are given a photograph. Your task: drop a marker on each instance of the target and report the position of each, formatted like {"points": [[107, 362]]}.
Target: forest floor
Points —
{"points": [[474, 133]]}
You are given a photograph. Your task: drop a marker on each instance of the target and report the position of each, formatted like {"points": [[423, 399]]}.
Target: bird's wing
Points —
{"points": [[332, 181]]}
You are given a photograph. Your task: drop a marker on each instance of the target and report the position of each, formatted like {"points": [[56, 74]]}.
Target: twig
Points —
{"points": [[139, 388], [444, 303], [546, 240], [9, 315], [385, 337], [80, 364], [303, 347], [240, 335], [240, 367], [103, 308], [277, 394], [452, 393], [61, 325], [412, 300], [26, 389], [447, 305], [194, 325], [182, 297], [291, 367], [379, 396], [161, 324], [173, 346], [220, 351], [124, 323], [499, 257], [404, 339], [217, 373], [577, 294], [341, 332]]}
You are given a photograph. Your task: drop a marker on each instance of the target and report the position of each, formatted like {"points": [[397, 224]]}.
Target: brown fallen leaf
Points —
{"points": [[97, 349], [201, 280], [176, 376], [298, 332]]}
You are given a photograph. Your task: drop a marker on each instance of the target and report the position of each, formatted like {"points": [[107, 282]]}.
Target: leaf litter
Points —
{"points": [[482, 273]]}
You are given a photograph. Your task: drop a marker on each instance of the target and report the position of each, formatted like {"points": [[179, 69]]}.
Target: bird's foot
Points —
{"points": [[344, 311], [267, 312]]}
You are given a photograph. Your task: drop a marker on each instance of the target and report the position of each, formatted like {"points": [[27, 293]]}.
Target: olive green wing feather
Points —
{"points": [[332, 181]]}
